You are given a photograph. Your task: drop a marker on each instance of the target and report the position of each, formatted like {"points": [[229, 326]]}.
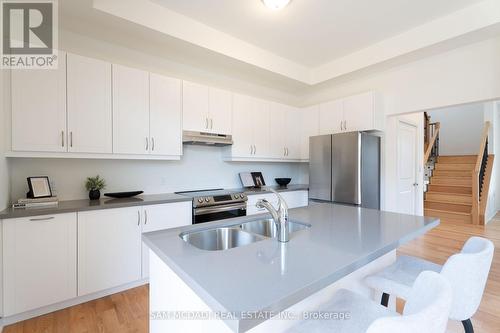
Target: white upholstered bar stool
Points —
{"points": [[426, 310], [466, 271]]}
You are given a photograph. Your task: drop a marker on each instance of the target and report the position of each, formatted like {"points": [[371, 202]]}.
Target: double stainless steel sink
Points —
{"points": [[225, 238]]}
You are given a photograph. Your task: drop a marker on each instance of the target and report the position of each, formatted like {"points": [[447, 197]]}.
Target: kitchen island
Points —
{"points": [[240, 289]]}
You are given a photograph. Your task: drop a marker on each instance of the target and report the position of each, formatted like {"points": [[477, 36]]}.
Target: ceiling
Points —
{"points": [[312, 33], [307, 45]]}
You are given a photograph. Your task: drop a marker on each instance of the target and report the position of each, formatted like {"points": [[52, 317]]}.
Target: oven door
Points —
{"points": [[215, 213]]}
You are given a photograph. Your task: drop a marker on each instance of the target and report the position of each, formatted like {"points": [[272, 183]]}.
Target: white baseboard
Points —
{"points": [[65, 304]]}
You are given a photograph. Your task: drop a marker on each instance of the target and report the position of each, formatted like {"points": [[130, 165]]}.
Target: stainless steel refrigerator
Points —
{"points": [[345, 168]]}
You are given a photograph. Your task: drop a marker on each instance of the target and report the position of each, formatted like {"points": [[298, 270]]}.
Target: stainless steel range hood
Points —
{"points": [[206, 139]]}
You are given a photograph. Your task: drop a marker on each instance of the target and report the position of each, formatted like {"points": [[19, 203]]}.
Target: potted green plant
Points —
{"points": [[94, 185]]}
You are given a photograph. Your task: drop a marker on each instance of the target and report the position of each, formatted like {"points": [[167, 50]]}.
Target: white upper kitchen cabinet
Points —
{"points": [[243, 123], [220, 107], [130, 110], [39, 261], [292, 133], [331, 117], [165, 118], [277, 136], [309, 125], [361, 113], [90, 119], [261, 125], [109, 248], [206, 109], [195, 107], [39, 109]]}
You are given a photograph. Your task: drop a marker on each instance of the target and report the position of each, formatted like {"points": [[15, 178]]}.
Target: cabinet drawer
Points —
{"points": [[39, 261]]}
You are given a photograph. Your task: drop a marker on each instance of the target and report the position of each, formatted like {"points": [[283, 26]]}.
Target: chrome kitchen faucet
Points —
{"points": [[280, 216]]}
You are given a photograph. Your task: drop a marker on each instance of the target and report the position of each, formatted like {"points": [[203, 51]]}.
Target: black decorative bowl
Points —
{"points": [[123, 194], [283, 182]]}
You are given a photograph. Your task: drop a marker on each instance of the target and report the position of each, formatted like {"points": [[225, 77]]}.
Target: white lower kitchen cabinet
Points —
{"points": [[161, 217], [109, 248], [296, 199], [39, 261], [293, 199]]}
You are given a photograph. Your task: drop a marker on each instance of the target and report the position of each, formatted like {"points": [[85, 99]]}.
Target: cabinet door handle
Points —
{"points": [[62, 138], [153, 144], [43, 218], [206, 122], [345, 125], [71, 139], [211, 123], [138, 218], [286, 151], [147, 144], [145, 216], [254, 149]]}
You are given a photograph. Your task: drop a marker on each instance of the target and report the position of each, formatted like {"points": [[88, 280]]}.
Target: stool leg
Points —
{"points": [[468, 326], [385, 300]]}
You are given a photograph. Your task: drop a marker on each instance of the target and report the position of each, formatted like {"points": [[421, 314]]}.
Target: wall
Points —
{"points": [[4, 172], [461, 128], [492, 114], [467, 74], [200, 168]]}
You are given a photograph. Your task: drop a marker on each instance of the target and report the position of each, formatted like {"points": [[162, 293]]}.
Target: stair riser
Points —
{"points": [[451, 173], [455, 167], [457, 159], [448, 216], [445, 197], [452, 181], [450, 189], [447, 207]]}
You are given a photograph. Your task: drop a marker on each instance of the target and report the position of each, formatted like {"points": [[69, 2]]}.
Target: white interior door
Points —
{"points": [[407, 168]]}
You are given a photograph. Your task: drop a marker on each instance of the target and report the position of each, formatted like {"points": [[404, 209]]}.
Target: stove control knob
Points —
{"points": [[200, 200], [207, 199], [242, 196]]}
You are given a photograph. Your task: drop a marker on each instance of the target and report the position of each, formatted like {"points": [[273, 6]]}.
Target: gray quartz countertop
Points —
{"points": [[71, 206], [276, 275]]}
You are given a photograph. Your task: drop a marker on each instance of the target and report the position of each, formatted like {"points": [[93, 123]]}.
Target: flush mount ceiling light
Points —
{"points": [[276, 4]]}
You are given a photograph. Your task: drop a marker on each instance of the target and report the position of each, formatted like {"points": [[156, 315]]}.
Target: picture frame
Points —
{"points": [[258, 179], [39, 187]]}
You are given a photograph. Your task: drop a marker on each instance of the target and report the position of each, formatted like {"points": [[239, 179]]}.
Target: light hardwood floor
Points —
{"points": [[128, 311]]}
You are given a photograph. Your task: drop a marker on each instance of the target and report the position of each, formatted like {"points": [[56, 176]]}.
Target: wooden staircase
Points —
{"points": [[449, 194]]}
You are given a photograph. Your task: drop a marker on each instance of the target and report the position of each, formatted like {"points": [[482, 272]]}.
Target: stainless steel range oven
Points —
{"points": [[217, 204]]}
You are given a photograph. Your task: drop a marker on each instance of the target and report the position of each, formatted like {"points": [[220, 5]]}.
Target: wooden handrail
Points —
{"points": [[475, 176], [484, 139], [428, 151]]}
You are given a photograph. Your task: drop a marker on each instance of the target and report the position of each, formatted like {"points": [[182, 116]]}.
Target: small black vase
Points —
{"points": [[94, 194]]}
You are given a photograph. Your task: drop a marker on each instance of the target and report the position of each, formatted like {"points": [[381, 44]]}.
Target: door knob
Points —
{"points": [[415, 184]]}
